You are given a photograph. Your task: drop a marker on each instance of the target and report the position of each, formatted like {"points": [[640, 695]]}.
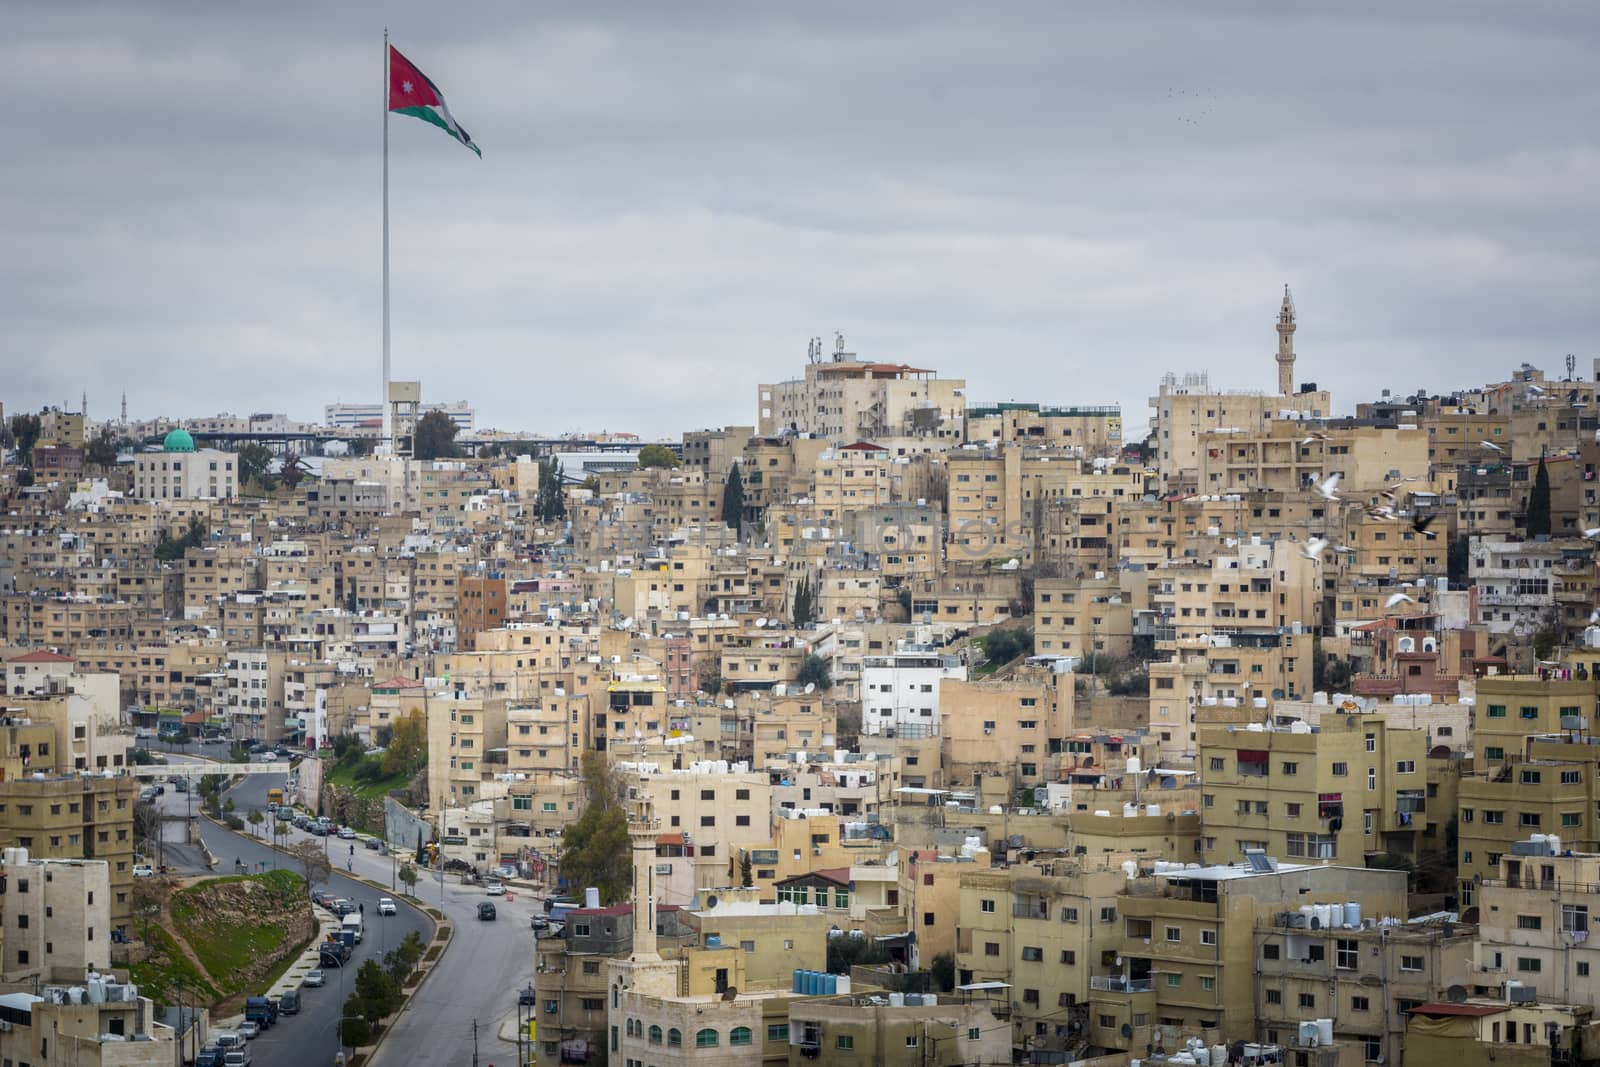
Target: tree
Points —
{"points": [[103, 449], [550, 503], [746, 878], [408, 877], [814, 671], [354, 1029], [170, 549], [435, 437], [1002, 646], [805, 606], [408, 746], [733, 498], [596, 850], [846, 951], [1538, 520], [255, 818], [25, 431], [1548, 638], [657, 456], [293, 471], [255, 464], [313, 860], [379, 992], [943, 970]]}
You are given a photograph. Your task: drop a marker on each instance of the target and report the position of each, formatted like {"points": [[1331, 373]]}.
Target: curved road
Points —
{"points": [[476, 981], [311, 1037]]}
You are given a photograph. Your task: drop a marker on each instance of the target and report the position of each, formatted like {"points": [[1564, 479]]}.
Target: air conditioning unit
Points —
{"points": [[5, 1027]]}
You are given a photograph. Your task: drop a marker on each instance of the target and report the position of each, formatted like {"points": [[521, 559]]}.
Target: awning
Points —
{"points": [[1253, 755]]}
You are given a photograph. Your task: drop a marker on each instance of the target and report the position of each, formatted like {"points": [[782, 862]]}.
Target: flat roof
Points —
{"points": [[1441, 1008], [1225, 871], [982, 987]]}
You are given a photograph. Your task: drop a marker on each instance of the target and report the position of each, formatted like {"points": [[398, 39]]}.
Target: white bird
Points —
{"points": [[1329, 489], [1314, 437], [1313, 548], [1592, 533], [1594, 616], [1490, 444], [1398, 599]]}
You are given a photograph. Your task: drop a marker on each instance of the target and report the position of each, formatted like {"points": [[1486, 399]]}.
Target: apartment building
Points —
{"points": [[1091, 431], [900, 692], [1350, 787], [181, 472], [73, 818], [58, 917], [1534, 914], [1084, 617], [844, 400]]}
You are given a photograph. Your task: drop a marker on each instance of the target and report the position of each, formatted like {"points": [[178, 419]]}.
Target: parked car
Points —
{"points": [[386, 906], [314, 979], [486, 912], [210, 1056], [249, 1030], [227, 1039], [237, 1057], [374, 844], [495, 889], [347, 833], [541, 923], [342, 907], [505, 870], [143, 870]]}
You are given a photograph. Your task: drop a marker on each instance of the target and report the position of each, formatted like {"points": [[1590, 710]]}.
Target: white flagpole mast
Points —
{"points": [[383, 399]]}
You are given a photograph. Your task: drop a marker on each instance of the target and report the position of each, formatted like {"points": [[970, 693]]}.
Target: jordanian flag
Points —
{"points": [[412, 93]]}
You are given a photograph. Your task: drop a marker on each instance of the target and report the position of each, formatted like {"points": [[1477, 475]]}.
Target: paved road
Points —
{"points": [[311, 1037], [477, 979]]}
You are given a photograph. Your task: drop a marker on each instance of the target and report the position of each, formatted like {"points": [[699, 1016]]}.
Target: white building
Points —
{"points": [[182, 472], [1517, 581], [901, 691], [58, 916]]}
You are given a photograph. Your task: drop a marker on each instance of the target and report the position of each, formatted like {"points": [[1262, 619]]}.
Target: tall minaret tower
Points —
{"points": [[1286, 344], [642, 830]]}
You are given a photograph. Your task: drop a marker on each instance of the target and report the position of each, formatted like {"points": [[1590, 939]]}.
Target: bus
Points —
{"points": [[275, 798]]}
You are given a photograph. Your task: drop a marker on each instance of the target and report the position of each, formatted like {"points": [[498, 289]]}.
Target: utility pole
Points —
{"points": [[474, 1043]]}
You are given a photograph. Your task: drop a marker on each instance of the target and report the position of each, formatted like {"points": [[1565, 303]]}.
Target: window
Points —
{"points": [[1208, 937], [1529, 964], [739, 1035], [1207, 982], [1308, 1000], [1497, 711], [1340, 770], [655, 1034], [1360, 1004], [986, 906], [674, 1038], [1069, 956], [1174, 934], [1530, 712], [1270, 952], [1291, 768], [844, 1041], [1174, 981], [777, 1032], [1032, 954], [1530, 922], [707, 1038], [991, 948], [1405, 766], [1411, 963], [1345, 953], [1274, 996], [1069, 915]]}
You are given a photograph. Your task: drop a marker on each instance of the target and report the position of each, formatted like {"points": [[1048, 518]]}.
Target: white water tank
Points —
{"points": [[1130, 810], [1130, 868], [1325, 1031], [897, 1000], [1152, 809], [1555, 844], [1134, 765], [1352, 913], [1219, 1055], [591, 897]]}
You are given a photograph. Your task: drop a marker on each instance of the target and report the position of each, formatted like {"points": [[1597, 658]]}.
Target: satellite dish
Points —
{"points": [[711, 901], [1456, 994], [761, 623], [1127, 1030], [811, 687]]}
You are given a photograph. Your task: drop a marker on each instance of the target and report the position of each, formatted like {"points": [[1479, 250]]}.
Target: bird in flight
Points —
{"points": [[1313, 548], [1490, 445], [1398, 599], [1421, 524], [1328, 489]]}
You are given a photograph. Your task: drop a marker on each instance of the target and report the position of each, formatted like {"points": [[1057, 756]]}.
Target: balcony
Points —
{"points": [[1116, 983]]}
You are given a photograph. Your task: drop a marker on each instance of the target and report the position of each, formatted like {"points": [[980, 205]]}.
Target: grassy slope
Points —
{"points": [[225, 948]]}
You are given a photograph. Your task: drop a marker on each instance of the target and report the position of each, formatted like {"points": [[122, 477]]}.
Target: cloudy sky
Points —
{"points": [[1055, 201]]}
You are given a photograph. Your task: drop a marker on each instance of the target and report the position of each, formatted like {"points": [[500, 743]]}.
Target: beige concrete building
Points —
{"points": [[58, 918], [1091, 431], [842, 400]]}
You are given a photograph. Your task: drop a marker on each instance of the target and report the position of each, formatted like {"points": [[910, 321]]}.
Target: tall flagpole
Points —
{"points": [[383, 398]]}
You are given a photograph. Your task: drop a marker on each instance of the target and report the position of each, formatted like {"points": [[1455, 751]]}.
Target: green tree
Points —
{"points": [[25, 431], [804, 610], [596, 850], [293, 471], [354, 1029], [1538, 520], [943, 970], [408, 877], [733, 498], [435, 437], [550, 502], [1002, 646], [313, 859], [103, 449], [379, 992], [657, 456], [746, 878], [255, 465], [407, 751], [255, 819], [814, 671], [848, 951], [170, 549]]}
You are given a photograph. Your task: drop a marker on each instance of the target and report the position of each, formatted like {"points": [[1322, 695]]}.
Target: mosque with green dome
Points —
{"points": [[182, 471]]}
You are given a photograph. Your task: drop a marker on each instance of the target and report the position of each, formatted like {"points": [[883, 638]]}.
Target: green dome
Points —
{"points": [[178, 441]]}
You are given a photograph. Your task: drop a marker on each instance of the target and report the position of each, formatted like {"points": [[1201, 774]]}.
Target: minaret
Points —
{"points": [[1286, 344], [642, 833]]}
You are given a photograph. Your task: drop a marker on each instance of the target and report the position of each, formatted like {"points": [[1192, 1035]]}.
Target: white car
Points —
{"points": [[143, 870], [386, 906], [249, 1029], [314, 979], [495, 889]]}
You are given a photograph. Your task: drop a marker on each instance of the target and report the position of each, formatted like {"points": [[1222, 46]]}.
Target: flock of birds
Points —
{"points": [[1202, 100]]}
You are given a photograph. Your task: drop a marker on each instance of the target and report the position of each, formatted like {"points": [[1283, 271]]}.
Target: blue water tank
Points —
{"points": [[713, 941], [813, 983], [794, 981], [830, 984]]}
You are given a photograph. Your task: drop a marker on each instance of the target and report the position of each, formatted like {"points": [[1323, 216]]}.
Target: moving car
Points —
{"points": [[386, 906], [314, 979], [289, 1003], [486, 912], [249, 1030], [347, 833], [495, 889], [374, 844]]}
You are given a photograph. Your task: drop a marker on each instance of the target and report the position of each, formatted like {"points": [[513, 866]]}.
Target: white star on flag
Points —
{"points": [[405, 87]]}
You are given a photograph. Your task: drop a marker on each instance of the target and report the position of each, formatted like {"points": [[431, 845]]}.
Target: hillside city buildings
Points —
{"points": [[950, 731]]}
